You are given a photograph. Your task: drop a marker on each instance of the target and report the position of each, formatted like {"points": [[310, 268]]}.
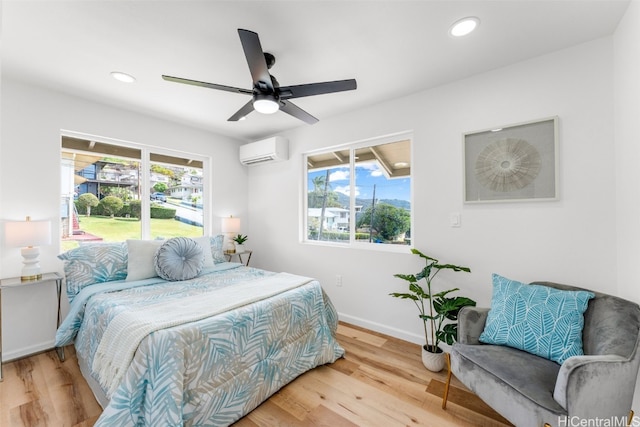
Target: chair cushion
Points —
{"points": [[541, 320], [179, 258], [514, 382]]}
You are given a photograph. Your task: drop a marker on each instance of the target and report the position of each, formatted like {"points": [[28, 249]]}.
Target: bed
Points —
{"points": [[203, 351]]}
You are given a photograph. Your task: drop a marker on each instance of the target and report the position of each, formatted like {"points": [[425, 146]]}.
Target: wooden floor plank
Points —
{"points": [[466, 399], [360, 335], [379, 382]]}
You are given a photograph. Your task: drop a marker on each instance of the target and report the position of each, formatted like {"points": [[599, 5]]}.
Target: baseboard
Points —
{"points": [[8, 356], [383, 329]]}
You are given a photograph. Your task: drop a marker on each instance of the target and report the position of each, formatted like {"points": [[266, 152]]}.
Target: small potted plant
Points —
{"points": [[438, 312], [239, 243]]}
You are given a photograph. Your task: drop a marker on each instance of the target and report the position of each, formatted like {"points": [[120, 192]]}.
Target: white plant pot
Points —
{"points": [[239, 248], [433, 361]]}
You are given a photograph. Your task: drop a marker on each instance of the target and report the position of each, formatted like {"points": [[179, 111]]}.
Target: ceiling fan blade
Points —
{"points": [[246, 109], [256, 61], [298, 91], [297, 112], [207, 85]]}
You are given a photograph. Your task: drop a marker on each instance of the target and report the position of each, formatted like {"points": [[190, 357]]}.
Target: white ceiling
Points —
{"points": [[392, 48]]}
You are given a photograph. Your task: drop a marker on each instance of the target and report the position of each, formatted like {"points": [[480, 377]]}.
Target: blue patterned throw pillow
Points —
{"points": [[541, 320], [216, 249], [93, 263]]}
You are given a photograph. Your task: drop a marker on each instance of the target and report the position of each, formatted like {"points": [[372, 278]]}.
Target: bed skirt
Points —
{"points": [[100, 396]]}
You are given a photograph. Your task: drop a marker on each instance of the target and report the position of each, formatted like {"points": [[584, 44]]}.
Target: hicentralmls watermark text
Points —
{"points": [[576, 421]]}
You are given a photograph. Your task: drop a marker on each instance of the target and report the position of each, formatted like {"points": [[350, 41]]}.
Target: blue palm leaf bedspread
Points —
{"points": [[213, 371]]}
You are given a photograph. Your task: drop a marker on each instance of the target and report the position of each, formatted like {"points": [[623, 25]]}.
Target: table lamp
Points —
{"points": [[230, 226], [28, 235]]}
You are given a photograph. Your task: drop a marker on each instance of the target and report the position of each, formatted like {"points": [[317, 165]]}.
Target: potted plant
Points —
{"points": [[239, 243], [438, 311]]}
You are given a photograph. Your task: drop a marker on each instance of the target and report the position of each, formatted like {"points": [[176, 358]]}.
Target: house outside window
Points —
{"points": [[106, 196], [360, 194]]}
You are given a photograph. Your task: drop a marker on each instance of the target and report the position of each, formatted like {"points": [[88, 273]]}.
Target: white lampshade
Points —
{"points": [[230, 225], [28, 235], [18, 234]]}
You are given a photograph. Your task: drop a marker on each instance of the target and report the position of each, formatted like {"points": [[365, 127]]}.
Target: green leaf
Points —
{"points": [[404, 296], [407, 277], [449, 307], [424, 274], [449, 333], [452, 267], [443, 293], [428, 258], [417, 289]]}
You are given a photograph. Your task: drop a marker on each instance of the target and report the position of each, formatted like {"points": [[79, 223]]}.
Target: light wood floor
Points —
{"points": [[380, 382]]}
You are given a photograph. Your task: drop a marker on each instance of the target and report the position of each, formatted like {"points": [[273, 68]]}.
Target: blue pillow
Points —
{"points": [[216, 249], [538, 319], [179, 258], [93, 263]]}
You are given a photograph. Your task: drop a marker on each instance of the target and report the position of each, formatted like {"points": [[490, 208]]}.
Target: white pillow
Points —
{"points": [[205, 244], [140, 264]]}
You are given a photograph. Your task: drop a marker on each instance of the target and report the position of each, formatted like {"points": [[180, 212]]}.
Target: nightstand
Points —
{"points": [[231, 255], [15, 282]]}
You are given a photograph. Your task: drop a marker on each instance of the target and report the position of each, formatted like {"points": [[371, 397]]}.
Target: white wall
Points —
{"points": [[572, 240], [627, 148], [32, 119], [627, 112]]}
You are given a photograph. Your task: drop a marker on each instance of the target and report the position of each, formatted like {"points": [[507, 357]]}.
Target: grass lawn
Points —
{"points": [[120, 229]]}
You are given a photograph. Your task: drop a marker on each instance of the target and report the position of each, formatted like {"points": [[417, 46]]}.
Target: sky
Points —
{"points": [[367, 174]]}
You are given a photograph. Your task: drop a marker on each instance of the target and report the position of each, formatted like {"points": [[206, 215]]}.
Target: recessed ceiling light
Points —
{"points": [[123, 77], [464, 26], [401, 164]]}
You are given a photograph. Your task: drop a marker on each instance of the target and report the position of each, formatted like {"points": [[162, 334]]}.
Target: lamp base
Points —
{"points": [[31, 268], [229, 247]]}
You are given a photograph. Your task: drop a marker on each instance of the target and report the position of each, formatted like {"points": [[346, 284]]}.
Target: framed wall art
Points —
{"points": [[512, 163]]}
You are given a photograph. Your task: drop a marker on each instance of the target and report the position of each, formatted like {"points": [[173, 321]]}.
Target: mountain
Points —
{"points": [[365, 203]]}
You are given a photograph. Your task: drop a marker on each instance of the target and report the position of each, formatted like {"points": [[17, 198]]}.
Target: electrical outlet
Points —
{"points": [[338, 280]]}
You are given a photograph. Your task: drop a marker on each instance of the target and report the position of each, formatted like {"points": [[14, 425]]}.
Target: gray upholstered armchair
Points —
{"points": [[531, 391]]}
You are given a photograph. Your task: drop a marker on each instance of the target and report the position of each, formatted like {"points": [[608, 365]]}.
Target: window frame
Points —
{"points": [[352, 147], [146, 152]]}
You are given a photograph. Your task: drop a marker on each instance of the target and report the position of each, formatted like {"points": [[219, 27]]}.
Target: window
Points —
{"points": [[115, 191], [176, 185], [361, 193]]}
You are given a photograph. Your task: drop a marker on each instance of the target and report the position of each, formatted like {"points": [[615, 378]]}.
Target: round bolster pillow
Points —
{"points": [[179, 258]]}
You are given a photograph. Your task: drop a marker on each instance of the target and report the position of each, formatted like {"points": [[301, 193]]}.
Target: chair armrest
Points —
{"points": [[471, 321], [596, 385]]}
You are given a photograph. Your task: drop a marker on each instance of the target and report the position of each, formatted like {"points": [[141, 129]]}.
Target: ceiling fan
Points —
{"points": [[267, 95]]}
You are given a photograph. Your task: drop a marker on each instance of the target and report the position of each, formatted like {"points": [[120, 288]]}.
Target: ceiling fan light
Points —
{"points": [[265, 104]]}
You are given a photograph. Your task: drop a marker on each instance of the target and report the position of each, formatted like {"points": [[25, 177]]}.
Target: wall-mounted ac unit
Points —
{"points": [[268, 150]]}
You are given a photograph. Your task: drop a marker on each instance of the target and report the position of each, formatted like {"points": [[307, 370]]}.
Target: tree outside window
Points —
{"points": [[360, 193]]}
